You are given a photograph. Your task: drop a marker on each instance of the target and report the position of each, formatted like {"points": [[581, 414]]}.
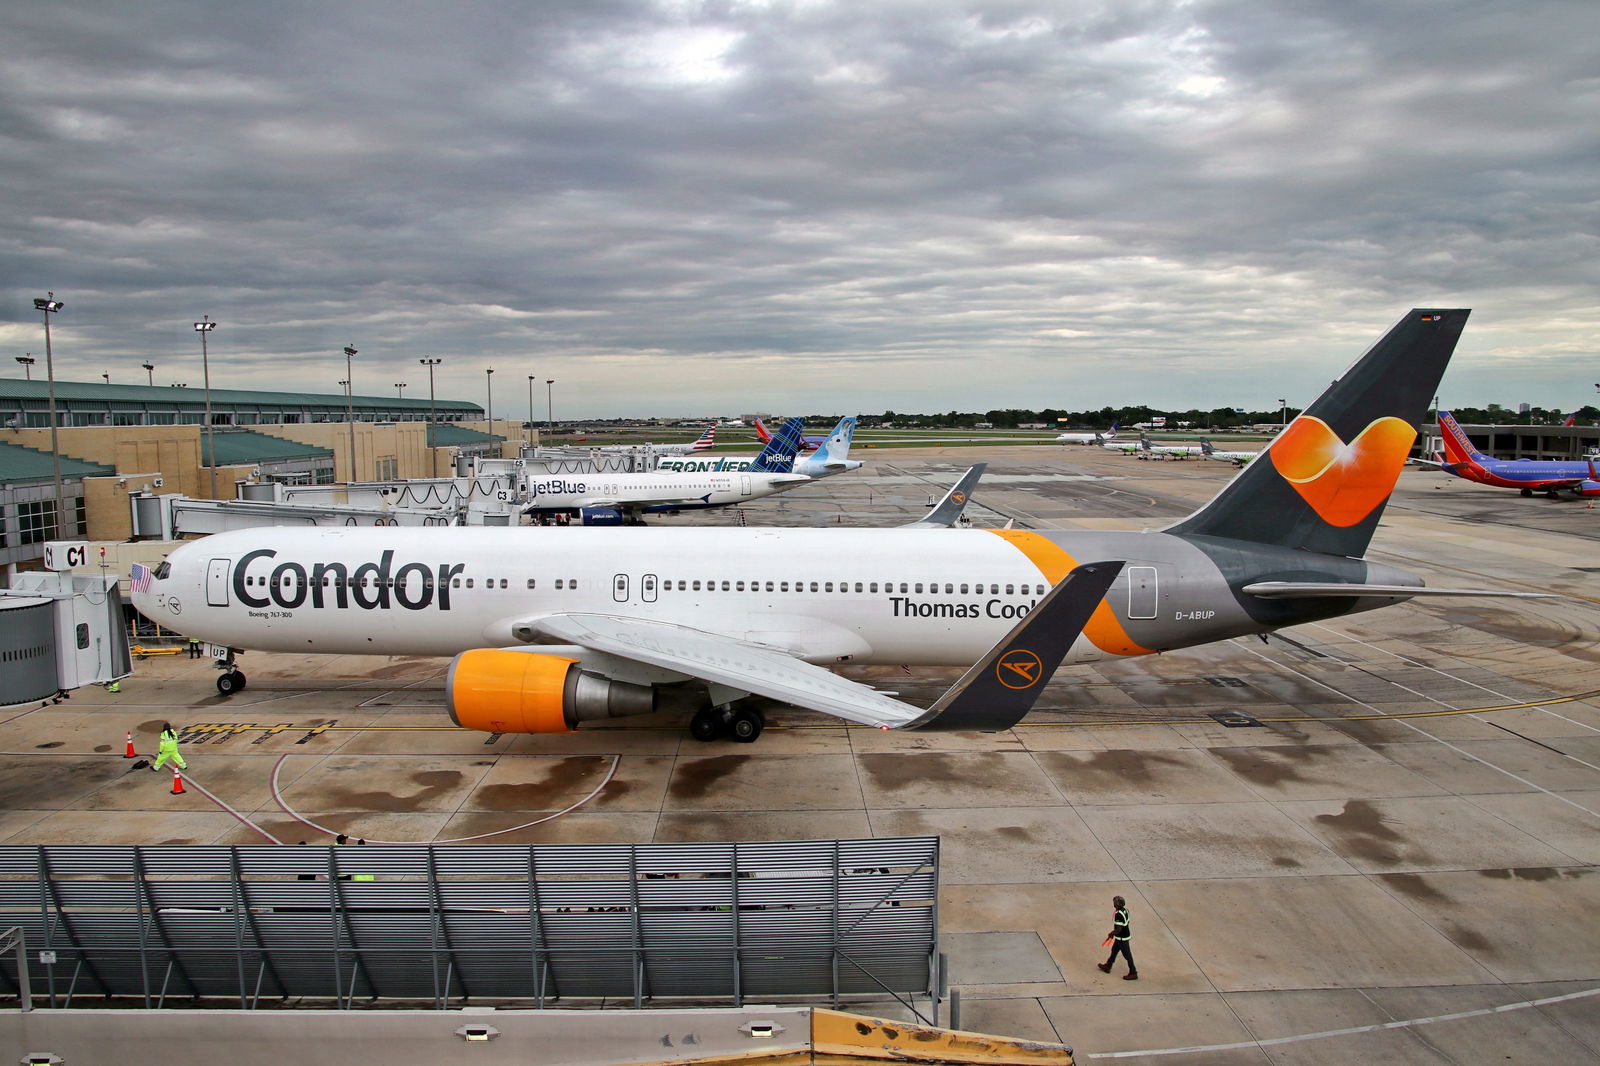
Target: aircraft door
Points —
{"points": [[1142, 592], [647, 588], [744, 484], [217, 582], [619, 587]]}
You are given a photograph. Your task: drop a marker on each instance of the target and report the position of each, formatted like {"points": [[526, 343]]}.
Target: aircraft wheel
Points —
{"points": [[229, 683], [746, 726], [707, 725], [1527, 492]]}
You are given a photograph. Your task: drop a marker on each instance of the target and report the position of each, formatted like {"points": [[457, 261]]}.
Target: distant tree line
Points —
{"points": [[1218, 418]]}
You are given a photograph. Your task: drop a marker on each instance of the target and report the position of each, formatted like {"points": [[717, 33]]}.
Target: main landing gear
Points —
{"points": [[231, 679], [743, 724]]}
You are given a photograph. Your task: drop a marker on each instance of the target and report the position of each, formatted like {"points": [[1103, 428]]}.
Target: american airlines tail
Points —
{"points": [[1328, 475], [705, 440]]}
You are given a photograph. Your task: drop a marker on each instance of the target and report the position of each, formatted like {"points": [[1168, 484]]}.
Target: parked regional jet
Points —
{"points": [[832, 458], [1088, 438], [1148, 449], [1211, 451], [1548, 476], [607, 498], [552, 632]]}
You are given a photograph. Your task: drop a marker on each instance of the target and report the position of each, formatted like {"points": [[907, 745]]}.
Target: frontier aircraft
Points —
{"points": [[551, 632], [832, 458]]}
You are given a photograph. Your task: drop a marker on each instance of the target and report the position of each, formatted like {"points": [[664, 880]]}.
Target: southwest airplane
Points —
{"points": [[1549, 476], [831, 458], [550, 632], [1088, 438], [608, 499], [807, 444]]}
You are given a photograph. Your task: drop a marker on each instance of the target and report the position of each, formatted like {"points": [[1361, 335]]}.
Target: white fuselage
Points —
{"points": [[816, 464], [892, 596], [573, 492]]}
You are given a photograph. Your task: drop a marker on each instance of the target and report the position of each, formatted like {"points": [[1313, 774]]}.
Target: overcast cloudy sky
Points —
{"points": [[804, 205]]}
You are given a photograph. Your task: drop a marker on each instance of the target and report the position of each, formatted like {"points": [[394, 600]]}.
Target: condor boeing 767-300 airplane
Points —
{"points": [[549, 631]]}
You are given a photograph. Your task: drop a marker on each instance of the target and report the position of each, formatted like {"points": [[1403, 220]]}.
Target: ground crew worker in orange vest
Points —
{"points": [[169, 748]]}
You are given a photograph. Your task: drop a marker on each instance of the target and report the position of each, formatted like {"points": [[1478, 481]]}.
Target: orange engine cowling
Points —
{"points": [[528, 692]]}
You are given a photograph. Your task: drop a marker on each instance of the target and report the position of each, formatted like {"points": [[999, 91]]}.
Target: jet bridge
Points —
{"points": [[60, 631]]}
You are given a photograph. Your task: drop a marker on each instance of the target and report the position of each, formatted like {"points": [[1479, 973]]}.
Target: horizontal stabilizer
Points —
{"points": [[1288, 590]]}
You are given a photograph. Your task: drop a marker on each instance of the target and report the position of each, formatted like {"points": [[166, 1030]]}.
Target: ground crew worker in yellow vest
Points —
{"points": [[1121, 933], [169, 748], [194, 647], [114, 686]]}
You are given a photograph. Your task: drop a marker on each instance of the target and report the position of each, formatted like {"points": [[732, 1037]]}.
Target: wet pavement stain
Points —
{"points": [[1533, 873], [1468, 939], [1285, 862], [102, 747], [1415, 886], [1020, 833], [1364, 832], [1268, 767], [55, 744], [894, 772], [1122, 765], [434, 784], [563, 781], [693, 779]]}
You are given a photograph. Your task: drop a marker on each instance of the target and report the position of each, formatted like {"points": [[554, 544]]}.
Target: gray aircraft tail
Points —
{"points": [[1322, 483], [948, 510]]}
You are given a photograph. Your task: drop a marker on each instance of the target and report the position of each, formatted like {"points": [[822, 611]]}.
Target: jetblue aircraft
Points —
{"points": [[832, 458], [552, 632], [607, 498], [1548, 476]]}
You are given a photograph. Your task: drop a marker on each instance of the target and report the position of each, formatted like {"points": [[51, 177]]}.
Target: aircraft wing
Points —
{"points": [[752, 668], [995, 693]]}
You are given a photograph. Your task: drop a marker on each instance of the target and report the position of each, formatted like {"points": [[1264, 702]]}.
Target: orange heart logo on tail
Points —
{"points": [[1343, 482]]}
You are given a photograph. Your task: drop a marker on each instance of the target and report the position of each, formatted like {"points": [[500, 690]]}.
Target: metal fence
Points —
{"points": [[533, 923]]}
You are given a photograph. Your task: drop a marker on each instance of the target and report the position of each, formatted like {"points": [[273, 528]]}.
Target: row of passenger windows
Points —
{"points": [[949, 588]]}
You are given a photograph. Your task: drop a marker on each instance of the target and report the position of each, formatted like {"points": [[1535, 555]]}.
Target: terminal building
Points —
{"points": [[119, 441]]}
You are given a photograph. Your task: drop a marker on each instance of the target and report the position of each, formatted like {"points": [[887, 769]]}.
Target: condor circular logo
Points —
{"points": [[1019, 668]]}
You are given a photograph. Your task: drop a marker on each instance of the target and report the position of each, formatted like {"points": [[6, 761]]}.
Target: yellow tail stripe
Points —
{"points": [[1103, 630]]}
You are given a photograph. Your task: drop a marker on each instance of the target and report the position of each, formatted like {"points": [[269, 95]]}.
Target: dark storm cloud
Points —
{"points": [[678, 207]]}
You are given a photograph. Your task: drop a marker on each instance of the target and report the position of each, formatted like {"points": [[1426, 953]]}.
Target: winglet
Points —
{"points": [[948, 510], [1001, 688]]}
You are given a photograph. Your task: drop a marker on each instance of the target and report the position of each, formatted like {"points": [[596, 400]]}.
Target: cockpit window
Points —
{"points": [[163, 570]]}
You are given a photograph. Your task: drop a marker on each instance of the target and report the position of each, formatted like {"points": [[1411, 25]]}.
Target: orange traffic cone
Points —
{"points": [[177, 782], [130, 753]]}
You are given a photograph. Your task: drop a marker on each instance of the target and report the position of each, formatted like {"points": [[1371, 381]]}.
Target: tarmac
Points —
{"points": [[1372, 839]]}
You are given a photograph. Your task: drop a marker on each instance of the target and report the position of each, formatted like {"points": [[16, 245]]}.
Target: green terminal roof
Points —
{"points": [[29, 464], [67, 391], [235, 447], [447, 434]]}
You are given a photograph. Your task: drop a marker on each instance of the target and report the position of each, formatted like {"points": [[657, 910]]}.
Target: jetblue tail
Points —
{"points": [[1458, 447], [1328, 475], [778, 456]]}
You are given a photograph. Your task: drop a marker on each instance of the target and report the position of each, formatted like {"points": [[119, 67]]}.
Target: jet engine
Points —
{"points": [[529, 692], [600, 516]]}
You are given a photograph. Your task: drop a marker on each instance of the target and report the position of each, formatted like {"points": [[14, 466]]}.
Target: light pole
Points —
{"points": [[49, 306], [400, 389], [349, 405], [27, 362], [430, 364], [550, 407], [105, 377], [1283, 413], [488, 376], [531, 379], [204, 328], [149, 373]]}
